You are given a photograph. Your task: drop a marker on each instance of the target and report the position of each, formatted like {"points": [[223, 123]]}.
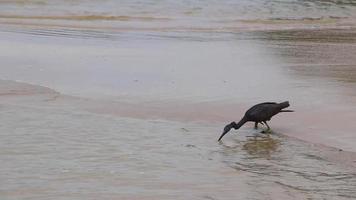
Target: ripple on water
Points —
{"points": [[293, 165]]}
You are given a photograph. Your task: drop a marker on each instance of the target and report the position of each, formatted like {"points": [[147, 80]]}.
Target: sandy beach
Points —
{"points": [[128, 103]]}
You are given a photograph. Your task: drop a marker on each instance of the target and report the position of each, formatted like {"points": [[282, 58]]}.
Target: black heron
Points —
{"points": [[260, 113]]}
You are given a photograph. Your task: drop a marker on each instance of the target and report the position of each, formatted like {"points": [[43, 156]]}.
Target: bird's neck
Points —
{"points": [[240, 123]]}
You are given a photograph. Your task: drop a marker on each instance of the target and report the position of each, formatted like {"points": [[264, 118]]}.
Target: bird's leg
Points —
{"points": [[268, 128], [256, 123]]}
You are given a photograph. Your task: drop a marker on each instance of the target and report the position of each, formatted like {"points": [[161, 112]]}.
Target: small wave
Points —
{"points": [[306, 18], [15, 88], [278, 20], [86, 17], [24, 2]]}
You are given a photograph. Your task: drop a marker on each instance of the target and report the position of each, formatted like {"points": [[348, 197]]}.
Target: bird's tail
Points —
{"points": [[286, 111], [233, 125], [284, 105]]}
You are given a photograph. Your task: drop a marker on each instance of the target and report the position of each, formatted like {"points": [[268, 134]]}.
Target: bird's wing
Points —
{"points": [[267, 103], [258, 113], [257, 106], [262, 112]]}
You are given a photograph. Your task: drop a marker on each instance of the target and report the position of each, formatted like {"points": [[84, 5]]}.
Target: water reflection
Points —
{"points": [[261, 146]]}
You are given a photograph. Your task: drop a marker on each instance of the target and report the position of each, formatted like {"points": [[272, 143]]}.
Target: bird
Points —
{"points": [[260, 113]]}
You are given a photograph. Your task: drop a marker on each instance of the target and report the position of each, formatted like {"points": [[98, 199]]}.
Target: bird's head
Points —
{"points": [[227, 129]]}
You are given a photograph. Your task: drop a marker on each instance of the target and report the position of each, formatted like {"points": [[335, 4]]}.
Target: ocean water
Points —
{"points": [[189, 15], [125, 99]]}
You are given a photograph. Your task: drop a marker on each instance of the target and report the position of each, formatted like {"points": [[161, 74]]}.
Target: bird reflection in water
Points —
{"points": [[253, 146], [261, 146]]}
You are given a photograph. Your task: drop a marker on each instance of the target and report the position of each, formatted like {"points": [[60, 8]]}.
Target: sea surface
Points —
{"points": [[126, 99]]}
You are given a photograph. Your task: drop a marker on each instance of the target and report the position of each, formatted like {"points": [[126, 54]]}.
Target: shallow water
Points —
{"points": [[50, 150], [106, 101]]}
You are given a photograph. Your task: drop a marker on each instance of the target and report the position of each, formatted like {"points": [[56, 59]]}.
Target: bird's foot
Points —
{"points": [[266, 131]]}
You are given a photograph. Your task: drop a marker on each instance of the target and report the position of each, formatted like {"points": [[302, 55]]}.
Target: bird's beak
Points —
{"points": [[226, 130]]}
